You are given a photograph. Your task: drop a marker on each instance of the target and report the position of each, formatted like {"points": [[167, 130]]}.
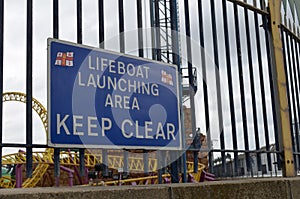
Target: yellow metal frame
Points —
{"points": [[275, 16]]}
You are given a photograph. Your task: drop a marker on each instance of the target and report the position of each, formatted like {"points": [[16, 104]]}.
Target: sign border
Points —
{"points": [[50, 144]]}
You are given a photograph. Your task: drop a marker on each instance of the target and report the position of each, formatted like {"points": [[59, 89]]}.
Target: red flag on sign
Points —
{"points": [[64, 59]]}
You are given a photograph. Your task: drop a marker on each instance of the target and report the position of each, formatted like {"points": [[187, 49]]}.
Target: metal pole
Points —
{"points": [[230, 81], [296, 55], [275, 20], [251, 71], [125, 168], [260, 65], [29, 91], [264, 108], [101, 23], [121, 27], [1, 74], [79, 40], [159, 165], [191, 77], [55, 19], [146, 161], [295, 95], [81, 163], [141, 54], [56, 35], [205, 92], [218, 76], [56, 166], [241, 79], [140, 27], [79, 21], [176, 61], [289, 85], [105, 162], [101, 45]]}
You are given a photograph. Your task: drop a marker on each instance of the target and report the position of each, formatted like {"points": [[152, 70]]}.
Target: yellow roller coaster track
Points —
{"points": [[41, 169], [43, 160]]}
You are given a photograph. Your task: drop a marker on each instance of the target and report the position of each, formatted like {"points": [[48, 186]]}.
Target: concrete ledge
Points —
{"points": [[130, 192], [275, 188], [250, 188]]}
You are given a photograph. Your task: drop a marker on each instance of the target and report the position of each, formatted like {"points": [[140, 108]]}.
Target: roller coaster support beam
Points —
{"points": [[281, 82], [70, 172], [19, 179]]}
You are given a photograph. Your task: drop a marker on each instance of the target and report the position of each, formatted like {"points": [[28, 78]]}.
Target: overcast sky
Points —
{"points": [[15, 58]]}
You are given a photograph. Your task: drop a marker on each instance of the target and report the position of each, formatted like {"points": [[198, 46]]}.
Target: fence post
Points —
{"points": [[280, 78]]}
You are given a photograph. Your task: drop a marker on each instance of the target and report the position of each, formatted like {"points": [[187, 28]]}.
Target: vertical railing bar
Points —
{"points": [[105, 162], [241, 78], [56, 36], [145, 161], [260, 65], [217, 76], [101, 23], [297, 54], [286, 65], [79, 21], [139, 17], [230, 81], [176, 61], [79, 41], [296, 93], [56, 166], [264, 111], [159, 165], [157, 56], [190, 74], [82, 162], [204, 75], [55, 19], [252, 84], [275, 112], [122, 50], [140, 27], [290, 82], [1, 75], [101, 45], [264, 107], [29, 91], [262, 5], [121, 26]]}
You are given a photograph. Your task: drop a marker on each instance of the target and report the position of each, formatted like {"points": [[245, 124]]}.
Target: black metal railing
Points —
{"points": [[231, 48]]}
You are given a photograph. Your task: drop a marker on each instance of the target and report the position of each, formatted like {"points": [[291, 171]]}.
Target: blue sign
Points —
{"points": [[102, 99]]}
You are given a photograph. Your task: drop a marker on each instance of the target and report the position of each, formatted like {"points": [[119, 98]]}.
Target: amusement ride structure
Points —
{"points": [[69, 160]]}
